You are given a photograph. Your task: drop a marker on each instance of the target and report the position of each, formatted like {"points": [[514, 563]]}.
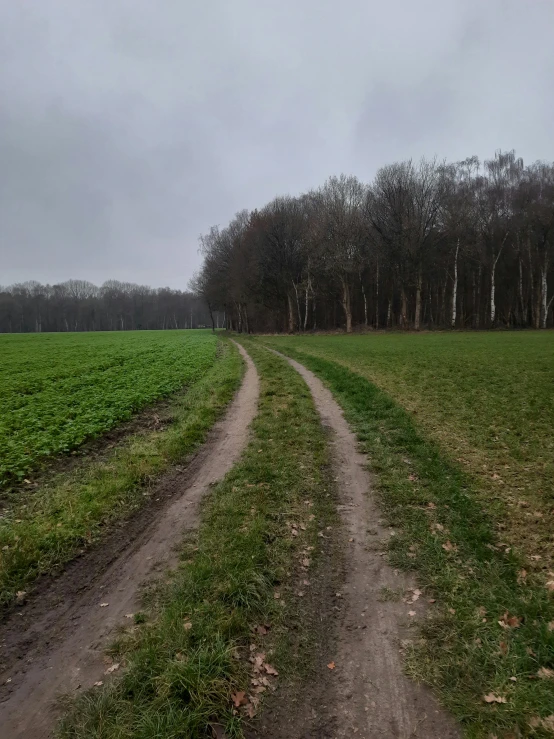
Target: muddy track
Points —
{"points": [[366, 695], [54, 644]]}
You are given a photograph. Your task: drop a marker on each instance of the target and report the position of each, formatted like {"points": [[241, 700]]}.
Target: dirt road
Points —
{"points": [[54, 644], [366, 695]]}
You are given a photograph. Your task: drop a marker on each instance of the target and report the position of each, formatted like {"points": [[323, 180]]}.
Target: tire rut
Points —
{"points": [[54, 645], [367, 695]]}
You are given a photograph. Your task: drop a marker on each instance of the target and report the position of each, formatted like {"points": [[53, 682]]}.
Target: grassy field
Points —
{"points": [[487, 399], [458, 430], [58, 390], [232, 597], [47, 524]]}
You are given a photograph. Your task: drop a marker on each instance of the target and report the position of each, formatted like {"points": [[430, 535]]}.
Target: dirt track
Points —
{"points": [[367, 695], [54, 644]]}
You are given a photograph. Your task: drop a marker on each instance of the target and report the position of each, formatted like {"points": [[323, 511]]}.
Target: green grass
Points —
{"points": [[177, 682], [58, 390], [446, 530], [487, 399], [47, 526]]}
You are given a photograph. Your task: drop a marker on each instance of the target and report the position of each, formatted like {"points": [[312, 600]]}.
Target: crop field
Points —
{"points": [[58, 390], [487, 399]]}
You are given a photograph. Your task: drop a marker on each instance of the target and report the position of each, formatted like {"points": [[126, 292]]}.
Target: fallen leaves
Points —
{"points": [[104, 605], [522, 576], [187, 626], [331, 666], [493, 698], [260, 683], [546, 723], [509, 622], [112, 668], [411, 613], [449, 547], [239, 698], [545, 673]]}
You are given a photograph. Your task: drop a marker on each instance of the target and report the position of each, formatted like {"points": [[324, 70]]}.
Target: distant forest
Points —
{"points": [[78, 305], [425, 245]]}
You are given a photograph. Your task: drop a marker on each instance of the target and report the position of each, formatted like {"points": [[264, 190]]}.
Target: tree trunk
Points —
{"points": [[520, 294], [307, 303], [403, 309], [365, 304], [290, 314], [389, 311], [455, 287], [477, 307], [493, 291], [377, 296], [544, 293], [297, 304], [346, 304], [417, 318]]}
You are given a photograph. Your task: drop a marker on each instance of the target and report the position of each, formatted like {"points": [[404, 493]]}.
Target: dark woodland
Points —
{"points": [[78, 305], [430, 245]]}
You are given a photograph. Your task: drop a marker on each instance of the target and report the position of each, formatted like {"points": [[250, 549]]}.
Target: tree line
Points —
{"points": [[77, 305], [428, 244]]}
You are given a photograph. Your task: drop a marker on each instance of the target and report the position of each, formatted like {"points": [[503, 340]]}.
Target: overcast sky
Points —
{"points": [[129, 127]]}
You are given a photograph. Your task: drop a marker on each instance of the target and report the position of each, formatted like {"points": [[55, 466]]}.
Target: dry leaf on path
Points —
{"points": [[103, 605], [270, 670], [98, 683], [112, 668], [239, 698], [411, 613], [331, 665]]}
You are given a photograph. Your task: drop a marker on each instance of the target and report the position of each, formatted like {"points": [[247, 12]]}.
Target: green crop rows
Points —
{"points": [[58, 390]]}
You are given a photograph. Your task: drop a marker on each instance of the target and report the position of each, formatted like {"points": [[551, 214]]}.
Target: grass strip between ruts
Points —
{"points": [[183, 663], [49, 526], [491, 630]]}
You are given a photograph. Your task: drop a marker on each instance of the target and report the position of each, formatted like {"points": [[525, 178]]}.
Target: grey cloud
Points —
{"points": [[128, 127]]}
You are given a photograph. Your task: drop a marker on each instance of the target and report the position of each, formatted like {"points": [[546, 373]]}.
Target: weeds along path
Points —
{"points": [[368, 695], [62, 651]]}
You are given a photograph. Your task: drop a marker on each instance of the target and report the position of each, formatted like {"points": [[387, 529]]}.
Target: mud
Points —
{"points": [[366, 695], [55, 643]]}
